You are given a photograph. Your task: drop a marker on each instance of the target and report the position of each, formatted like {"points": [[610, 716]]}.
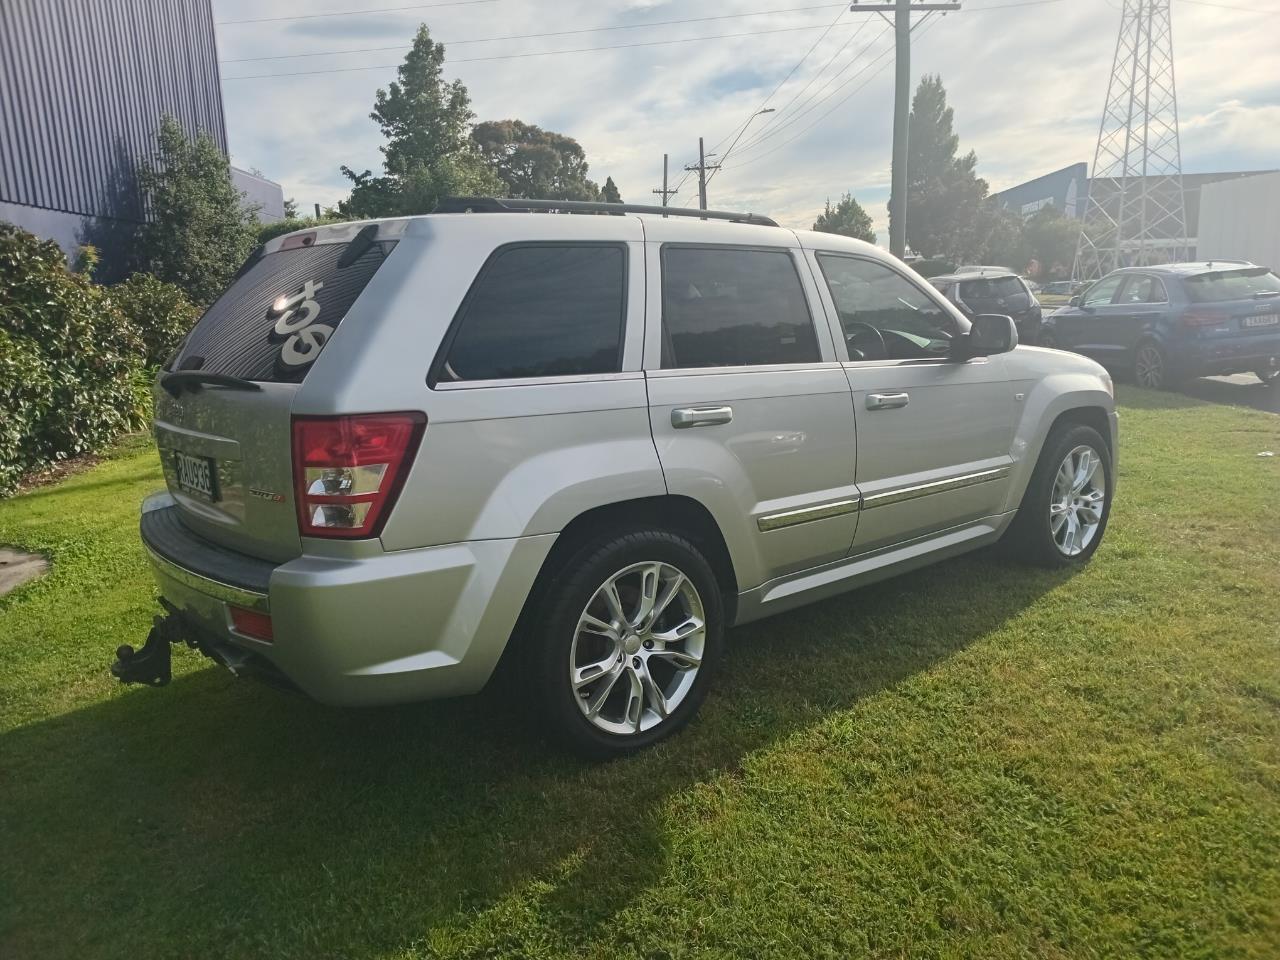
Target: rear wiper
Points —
{"points": [[1263, 294], [175, 380]]}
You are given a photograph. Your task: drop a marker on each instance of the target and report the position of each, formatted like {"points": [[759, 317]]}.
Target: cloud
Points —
{"points": [[1027, 85]]}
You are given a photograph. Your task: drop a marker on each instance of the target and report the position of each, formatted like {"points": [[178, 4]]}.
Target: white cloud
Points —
{"points": [[1027, 85]]}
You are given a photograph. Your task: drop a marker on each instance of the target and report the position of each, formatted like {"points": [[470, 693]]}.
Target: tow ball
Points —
{"points": [[152, 664]]}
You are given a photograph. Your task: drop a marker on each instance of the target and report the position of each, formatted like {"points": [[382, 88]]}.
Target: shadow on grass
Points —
{"points": [[214, 817], [1203, 391]]}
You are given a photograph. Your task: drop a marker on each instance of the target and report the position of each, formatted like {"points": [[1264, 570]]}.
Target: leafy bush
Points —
{"points": [[160, 312], [278, 229], [933, 268], [66, 359]]}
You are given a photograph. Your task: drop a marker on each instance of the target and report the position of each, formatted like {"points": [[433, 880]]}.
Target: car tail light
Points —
{"points": [[1196, 321], [347, 471], [252, 623]]}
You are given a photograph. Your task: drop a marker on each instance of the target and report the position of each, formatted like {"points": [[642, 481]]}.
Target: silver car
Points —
{"points": [[401, 453]]}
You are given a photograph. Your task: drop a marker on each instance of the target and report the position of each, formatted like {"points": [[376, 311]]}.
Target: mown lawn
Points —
{"points": [[973, 761]]}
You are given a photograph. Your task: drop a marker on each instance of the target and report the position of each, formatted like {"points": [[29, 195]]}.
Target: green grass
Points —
{"points": [[971, 761]]}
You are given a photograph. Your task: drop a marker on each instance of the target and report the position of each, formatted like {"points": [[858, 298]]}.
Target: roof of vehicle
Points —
{"points": [[975, 273], [1190, 269]]}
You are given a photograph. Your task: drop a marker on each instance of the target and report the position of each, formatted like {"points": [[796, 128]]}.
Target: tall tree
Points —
{"points": [[944, 194], [609, 192], [200, 228], [427, 154], [534, 163], [846, 218]]}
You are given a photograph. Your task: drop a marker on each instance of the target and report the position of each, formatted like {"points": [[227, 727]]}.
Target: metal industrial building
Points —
{"points": [[83, 86], [1068, 190]]}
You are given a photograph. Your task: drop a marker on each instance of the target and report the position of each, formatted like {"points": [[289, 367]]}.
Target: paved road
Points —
{"points": [[1242, 389]]}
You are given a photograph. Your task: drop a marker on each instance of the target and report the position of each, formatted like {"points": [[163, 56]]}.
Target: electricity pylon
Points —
{"points": [[1136, 212]]}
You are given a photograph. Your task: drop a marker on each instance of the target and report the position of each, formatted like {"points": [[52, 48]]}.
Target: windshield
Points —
{"points": [[1232, 285]]}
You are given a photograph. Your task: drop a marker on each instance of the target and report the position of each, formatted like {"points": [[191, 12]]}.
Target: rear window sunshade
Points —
{"points": [[277, 315]]}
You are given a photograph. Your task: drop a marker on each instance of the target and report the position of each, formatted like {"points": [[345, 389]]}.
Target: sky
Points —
{"points": [[1027, 80]]}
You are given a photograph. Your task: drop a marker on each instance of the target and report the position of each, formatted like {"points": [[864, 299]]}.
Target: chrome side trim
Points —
{"points": [[936, 486], [789, 518], [210, 588]]}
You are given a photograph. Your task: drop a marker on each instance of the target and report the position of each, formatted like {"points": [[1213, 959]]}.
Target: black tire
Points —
{"points": [[1045, 338], [1151, 367], [1270, 376], [1031, 536], [563, 603]]}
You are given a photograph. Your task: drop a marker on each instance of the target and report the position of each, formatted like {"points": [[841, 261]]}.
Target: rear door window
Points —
{"points": [[540, 310], [276, 317], [1222, 285], [733, 306]]}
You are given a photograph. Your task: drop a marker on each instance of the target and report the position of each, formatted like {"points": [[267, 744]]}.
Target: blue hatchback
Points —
{"points": [[1179, 320]]}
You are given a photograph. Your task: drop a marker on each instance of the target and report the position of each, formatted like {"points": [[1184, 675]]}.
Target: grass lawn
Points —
{"points": [[971, 761]]}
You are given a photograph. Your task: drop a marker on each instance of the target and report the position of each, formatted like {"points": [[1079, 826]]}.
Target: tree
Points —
{"points": [[1050, 239], [846, 218], [534, 163], [200, 229], [428, 154], [609, 192], [944, 194], [290, 208], [996, 238]]}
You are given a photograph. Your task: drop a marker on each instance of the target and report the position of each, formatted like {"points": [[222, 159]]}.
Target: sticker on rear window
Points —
{"points": [[295, 324]]}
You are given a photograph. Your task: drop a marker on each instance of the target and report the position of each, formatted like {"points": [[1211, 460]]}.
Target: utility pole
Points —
{"points": [[664, 191], [702, 167], [902, 11]]}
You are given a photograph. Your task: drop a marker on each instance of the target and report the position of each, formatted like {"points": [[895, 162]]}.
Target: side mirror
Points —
{"points": [[990, 334], [1074, 301]]}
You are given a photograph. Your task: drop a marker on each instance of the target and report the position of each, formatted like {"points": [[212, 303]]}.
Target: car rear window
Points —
{"points": [[1231, 285], [280, 311], [991, 288]]}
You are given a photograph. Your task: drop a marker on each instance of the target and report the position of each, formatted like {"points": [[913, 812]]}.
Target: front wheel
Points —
{"points": [[1064, 512], [629, 637]]}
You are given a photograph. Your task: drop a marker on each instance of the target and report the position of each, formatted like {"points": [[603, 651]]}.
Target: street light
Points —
{"points": [[758, 113]]}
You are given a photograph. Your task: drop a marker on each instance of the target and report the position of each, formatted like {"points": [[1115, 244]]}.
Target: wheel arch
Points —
{"points": [[1055, 401]]}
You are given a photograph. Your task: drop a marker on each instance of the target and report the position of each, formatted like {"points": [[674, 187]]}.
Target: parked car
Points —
{"points": [[979, 290], [1059, 288], [400, 453], [1166, 323]]}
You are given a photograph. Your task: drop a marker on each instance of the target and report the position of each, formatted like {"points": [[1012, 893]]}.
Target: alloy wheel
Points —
{"points": [[1078, 498], [637, 648], [1148, 366]]}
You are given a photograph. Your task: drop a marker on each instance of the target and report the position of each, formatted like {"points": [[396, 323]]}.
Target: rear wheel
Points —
{"points": [[1269, 375], [1064, 512], [628, 639], [1151, 367]]}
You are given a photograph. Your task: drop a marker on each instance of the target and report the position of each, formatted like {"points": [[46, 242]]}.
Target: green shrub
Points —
{"points": [[160, 312], [66, 360], [278, 229], [933, 268]]}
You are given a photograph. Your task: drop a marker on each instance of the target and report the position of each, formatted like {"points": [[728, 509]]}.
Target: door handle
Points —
{"points": [[683, 417], [887, 401]]}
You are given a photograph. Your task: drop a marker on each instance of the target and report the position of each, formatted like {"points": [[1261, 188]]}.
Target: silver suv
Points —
{"points": [[398, 453]]}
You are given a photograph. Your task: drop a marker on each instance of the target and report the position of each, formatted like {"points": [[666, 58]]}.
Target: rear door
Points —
{"points": [[226, 451], [750, 411], [1140, 304]]}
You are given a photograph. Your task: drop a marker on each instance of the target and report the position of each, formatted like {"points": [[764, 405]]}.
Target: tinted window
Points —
{"points": [[541, 311], [1102, 291], [727, 308], [991, 288], [1143, 290], [883, 315], [1231, 285]]}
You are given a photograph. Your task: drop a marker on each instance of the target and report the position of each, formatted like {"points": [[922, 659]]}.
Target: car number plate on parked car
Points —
{"points": [[196, 475], [1262, 320]]}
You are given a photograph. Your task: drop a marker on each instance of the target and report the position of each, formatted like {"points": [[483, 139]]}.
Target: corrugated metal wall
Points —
{"points": [[83, 85]]}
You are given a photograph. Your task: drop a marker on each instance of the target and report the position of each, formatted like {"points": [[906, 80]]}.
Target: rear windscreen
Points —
{"points": [[279, 312], [1231, 285], [991, 288]]}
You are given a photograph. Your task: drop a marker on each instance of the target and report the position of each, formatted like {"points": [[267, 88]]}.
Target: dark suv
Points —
{"points": [[979, 290], [1167, 323]]}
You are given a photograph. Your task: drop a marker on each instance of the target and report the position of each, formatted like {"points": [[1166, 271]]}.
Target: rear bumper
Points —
{"points": [[386, 628], [1241, 354]]}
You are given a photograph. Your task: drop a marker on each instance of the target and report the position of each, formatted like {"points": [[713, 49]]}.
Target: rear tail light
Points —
{"points": [[347, 471], [1197, 321], [252, 623]]}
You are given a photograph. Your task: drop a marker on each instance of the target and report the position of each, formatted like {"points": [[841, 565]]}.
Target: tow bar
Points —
{"points": [[152, 664]]}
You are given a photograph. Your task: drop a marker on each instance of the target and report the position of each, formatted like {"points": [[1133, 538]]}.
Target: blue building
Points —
{"points": [[83, 85]]}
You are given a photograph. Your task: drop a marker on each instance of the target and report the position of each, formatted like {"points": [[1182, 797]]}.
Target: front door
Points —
{"points": [[934, 434], [750, 409], [1093, 328]]}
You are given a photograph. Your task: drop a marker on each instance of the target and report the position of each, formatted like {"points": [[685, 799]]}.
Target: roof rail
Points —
{"points": [[504, 205]]}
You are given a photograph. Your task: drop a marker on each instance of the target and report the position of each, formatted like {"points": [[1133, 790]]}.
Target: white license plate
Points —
{"points": [[1262, 320], [196, 475]]}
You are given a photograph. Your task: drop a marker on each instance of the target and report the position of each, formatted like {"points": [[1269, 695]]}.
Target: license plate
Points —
{"points": [[196, 475], [1262, 320]]}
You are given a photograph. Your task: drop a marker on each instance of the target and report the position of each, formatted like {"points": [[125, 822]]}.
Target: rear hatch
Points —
{"points": [[1004, 295], [1236, 305], [223, 402]]}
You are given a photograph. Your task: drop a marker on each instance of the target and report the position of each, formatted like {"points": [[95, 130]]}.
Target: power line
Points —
{"points": [[1229, 6], [552, 33], [355, 13], [539, 53], [1006, 6]]}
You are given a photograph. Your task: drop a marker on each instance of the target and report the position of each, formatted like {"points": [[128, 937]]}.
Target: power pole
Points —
{"points": [[664, 191], [902, 11], [702, 167], [1136, 211]]}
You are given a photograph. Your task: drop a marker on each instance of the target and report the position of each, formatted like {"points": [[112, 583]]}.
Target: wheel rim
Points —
{"points": [[1078, 499], [637, 648], [1149, 366]]}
